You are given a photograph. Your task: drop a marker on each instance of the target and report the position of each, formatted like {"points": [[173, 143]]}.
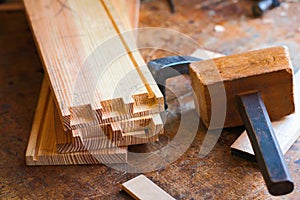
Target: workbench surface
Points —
{"points": [[218, 175]]}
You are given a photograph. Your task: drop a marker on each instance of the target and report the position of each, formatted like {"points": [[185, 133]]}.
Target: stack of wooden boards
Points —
{"points": [[98, 96]]}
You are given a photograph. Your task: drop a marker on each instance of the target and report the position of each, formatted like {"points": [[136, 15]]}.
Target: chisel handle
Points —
{"points": [[264, 143]]}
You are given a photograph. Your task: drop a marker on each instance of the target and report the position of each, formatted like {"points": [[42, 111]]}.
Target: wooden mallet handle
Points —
{"points": [[264, 143]]}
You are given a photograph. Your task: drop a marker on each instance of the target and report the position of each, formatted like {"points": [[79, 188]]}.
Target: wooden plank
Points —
{"points": [[96, 137], [268, 71], [75, 144], [85, 140], [142, 188], [41, 149], [287, 130], [66, 35], [128, 12], [117, 130], [66, 140]]}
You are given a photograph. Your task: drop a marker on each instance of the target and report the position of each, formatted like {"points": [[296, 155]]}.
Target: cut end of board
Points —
{"points": [[112, 110], [126, 89]]}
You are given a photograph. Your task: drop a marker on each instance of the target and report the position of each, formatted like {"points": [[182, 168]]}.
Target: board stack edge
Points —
{"points": [[92, 133]]}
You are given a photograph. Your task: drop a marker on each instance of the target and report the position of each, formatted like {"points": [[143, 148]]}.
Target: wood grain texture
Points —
{"points": [[143, 130], [268, 71], [67, 143], [116, 130], [75, 144], [129, 12], [83, 140], [187, 177], [91, 82], [141, 188], [287, 130], [152, 124], [41, 149]]}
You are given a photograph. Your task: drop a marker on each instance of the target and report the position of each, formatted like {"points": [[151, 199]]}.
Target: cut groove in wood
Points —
{"points": [[115, 129], [92, 139], [41, 149], [116, 26], [90, 85], [67, 144]]}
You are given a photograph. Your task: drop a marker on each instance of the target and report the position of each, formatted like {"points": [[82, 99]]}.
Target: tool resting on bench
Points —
{"points": [[258, 85]]}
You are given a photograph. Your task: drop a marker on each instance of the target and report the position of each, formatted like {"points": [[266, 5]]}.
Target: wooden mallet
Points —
{"points": [[259, 88]]}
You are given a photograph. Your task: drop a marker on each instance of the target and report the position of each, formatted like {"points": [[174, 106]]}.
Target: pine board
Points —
{"points": [[128, 12], [41, 149], [67, 35], [69, 144], [116, 130]]}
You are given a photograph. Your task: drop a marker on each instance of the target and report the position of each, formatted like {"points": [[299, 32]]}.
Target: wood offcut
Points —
{"points": [[141, 188]]}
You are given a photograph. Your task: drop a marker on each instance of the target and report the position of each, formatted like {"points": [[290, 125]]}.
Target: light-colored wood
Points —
{"points": [[68, 143], [143, 130], [91, 138], [38, 121], [142, 188], [268, 71], [75, 144], [94, 138], [128, 12], [287, 130], [87, 70], [115, 130], [41, 149]]}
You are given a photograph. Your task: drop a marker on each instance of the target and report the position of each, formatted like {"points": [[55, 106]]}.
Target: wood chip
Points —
{"points": [[142, 188]]}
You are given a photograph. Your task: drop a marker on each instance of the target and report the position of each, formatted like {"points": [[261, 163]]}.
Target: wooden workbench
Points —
{"points": [[216, 176]]}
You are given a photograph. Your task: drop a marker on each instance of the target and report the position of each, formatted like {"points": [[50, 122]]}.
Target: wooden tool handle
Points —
{"points": [[264, 143]]}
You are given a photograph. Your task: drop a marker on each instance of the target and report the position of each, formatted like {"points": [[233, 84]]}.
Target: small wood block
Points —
{"points": [[287, 130], [142, 188], [268, 71]]}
